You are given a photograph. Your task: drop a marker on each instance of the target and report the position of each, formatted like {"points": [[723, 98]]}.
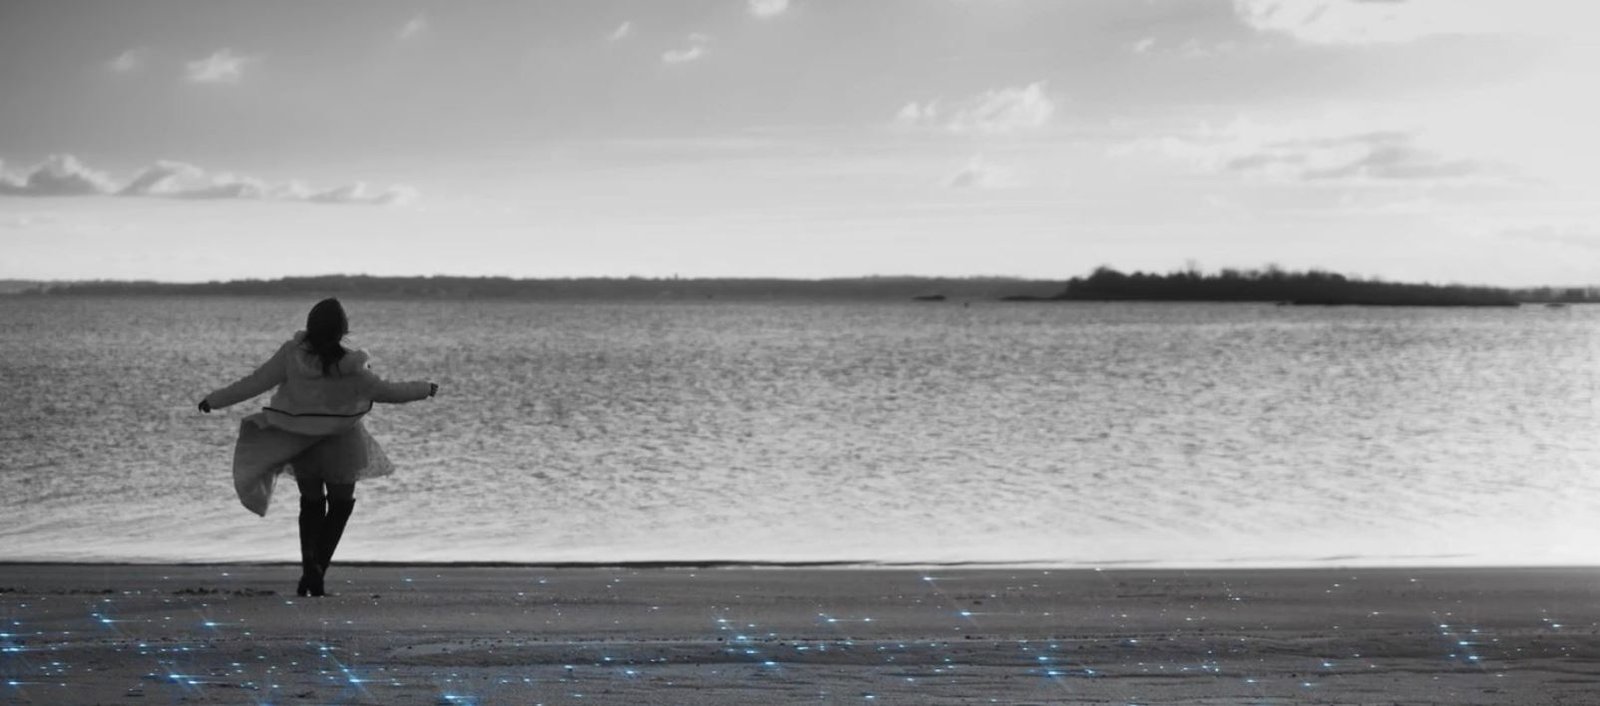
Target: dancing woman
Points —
{"points": [[313, 425]]}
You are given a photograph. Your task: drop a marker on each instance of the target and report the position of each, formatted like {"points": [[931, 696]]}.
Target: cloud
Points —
{"points": [[156, 177], [1000, 111], [695, 50], [129, 61], [186, 181], [64, 175], [358, 193], [1322, 151], [768, 8], [623, 31], [1191, 48], [222, 67], [59, 175], [978, 174], [397, 195], [1392, 21], [914, 114], [682, 56], [227, 187], [413, 27], [1322, 21], [1373, 156]]}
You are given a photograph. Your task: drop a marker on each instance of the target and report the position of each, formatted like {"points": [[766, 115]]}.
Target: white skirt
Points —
{"points": [[264, 451]]}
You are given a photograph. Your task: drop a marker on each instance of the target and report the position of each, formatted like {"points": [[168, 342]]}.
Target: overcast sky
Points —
{"points": [[1437, 140]]}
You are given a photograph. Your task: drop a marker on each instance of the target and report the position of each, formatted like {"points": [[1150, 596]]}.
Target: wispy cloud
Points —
{"points": [[60, 175], [979, 174], [65, 175], [129, 61], [1391, 21], [768, 8], [1303, 153], [1323, 21], [1000, 111], [360, 193], [623, 31], [1191, 48], [695, 50], [1380, 156], [222, 67], [182, 180], [413, 27]]}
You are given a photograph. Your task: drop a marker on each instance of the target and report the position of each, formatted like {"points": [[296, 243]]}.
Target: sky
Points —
{"points": [[194, 140]]}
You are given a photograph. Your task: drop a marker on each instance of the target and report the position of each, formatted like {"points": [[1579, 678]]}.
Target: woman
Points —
{"points": [[312, 425]]}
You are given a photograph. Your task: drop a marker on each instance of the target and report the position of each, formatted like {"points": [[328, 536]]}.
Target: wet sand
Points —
{"points": [[475, 635]]}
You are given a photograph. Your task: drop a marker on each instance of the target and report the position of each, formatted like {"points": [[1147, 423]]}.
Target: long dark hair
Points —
{"points": [[326, 326]]}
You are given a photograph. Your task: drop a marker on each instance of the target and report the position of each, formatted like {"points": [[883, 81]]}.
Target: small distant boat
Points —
{"points": [[1555, 305], [929, 298]]}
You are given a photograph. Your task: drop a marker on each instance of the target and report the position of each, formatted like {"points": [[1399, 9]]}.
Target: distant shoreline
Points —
{"points": [[1372, 563], [1269, 286], [951, 289]]}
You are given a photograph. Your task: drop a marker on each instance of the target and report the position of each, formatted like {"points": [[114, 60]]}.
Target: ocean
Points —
{"points": [[1060, 434]]}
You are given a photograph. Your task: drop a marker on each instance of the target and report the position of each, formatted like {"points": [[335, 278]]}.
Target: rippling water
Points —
{"points": [[1064, 434]]}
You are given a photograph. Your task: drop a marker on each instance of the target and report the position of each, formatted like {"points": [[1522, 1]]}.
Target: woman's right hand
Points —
{"points": [[433, 389]]}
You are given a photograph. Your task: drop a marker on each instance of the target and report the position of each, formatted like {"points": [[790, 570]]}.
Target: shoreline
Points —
{"points": [[1342, 563], [232, 633]]}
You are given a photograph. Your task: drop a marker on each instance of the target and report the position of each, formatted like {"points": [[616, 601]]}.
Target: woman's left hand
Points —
{"points": [[205, 406]]}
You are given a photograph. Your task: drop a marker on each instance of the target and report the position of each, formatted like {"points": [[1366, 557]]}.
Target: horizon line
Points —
{"points": [[743, 278], [548, 278], [1441, 562]]}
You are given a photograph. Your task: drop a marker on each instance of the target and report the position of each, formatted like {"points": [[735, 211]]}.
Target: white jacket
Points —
{"points": [[308, 402]]}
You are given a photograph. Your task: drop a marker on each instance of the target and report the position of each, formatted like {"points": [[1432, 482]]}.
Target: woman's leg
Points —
{"points": [[341, 502], [313, 514], [333, 462]]}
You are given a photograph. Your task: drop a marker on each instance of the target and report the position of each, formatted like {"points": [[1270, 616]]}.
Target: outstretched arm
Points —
{"points": [[399, 392], [269, 375]]}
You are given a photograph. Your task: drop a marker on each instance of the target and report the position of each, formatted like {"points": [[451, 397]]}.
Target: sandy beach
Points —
{"points": [[84, 633]]}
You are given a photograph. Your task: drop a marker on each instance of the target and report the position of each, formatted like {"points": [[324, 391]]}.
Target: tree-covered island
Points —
{"points": [[1272, 284]]}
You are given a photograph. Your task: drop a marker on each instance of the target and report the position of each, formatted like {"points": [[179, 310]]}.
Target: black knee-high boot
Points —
{"points": [[339, 510], [312, 515]]}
